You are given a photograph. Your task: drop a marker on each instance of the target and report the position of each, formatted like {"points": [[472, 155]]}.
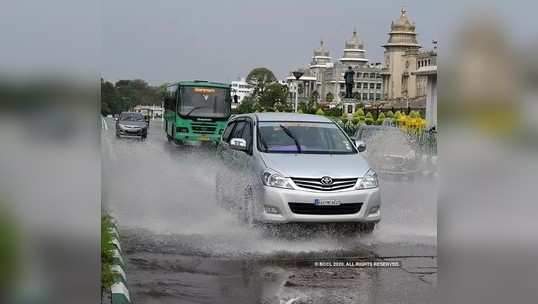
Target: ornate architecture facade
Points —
{"points": [[326, 78], [396, 82], [403, 58]]}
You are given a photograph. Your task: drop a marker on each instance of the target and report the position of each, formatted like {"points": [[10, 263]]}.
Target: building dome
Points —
{"points": [[354, 42], [321, 50], [403, 24], [354, 53], [402, 33]]}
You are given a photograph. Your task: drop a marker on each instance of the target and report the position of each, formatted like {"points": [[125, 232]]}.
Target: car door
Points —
{"points": [[223, 155], [239, 161]]}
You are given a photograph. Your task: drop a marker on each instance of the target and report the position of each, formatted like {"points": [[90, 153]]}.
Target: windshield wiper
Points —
{"points": [[288, 132], [196, 108]]}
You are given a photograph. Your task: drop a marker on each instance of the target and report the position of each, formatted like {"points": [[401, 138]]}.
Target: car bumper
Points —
{"points": [[198, 137], [132, 132], [369, 200]]}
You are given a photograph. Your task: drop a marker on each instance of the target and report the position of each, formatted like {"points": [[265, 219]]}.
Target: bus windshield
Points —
{"points": [[205, 102]]}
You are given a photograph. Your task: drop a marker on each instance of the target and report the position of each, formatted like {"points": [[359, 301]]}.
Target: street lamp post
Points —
{"points": [[297, 75]]}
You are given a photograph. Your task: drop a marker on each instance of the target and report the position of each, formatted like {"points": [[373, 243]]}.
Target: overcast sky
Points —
{"points": [[169, 40], [222, 40]]}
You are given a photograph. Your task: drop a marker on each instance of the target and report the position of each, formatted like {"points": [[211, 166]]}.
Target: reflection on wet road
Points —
{"points": [[181, 248]]}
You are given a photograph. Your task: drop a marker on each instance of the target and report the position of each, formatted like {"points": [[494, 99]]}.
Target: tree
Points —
{"points": [[259, 78], [329, 97], [314, 97], [125, 94], [273, 94], [247, 105], [380, 118]]}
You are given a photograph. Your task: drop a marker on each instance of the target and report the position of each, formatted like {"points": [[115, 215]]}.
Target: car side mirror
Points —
{"points": [[116, 119], [361, 145], [238, 144]]}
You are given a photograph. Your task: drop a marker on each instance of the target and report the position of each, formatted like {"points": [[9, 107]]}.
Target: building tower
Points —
{"points": [[400, 59], [320, 62], [354, 53]]}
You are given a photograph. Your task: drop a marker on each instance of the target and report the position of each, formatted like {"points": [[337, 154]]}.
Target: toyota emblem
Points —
{"points": [[326, 180]]}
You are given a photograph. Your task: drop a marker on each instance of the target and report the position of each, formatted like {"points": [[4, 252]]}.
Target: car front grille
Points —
{"points": [[203, 128], [306, 208], [315, 183]]}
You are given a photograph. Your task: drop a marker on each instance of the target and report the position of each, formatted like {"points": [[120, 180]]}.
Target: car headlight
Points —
{"points": [[273, 179], [368, 181]]}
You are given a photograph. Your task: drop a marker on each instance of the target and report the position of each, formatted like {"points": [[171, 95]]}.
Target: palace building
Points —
{"points": [[326, 77], [397, 82], [404, 83]]}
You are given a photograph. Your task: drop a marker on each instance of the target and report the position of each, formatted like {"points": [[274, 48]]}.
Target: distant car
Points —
{"points": [[390, 150], [131, 124], [290, 168]]}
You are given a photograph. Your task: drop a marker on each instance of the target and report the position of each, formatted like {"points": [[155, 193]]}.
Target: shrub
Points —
{"points": [[414, 114], [398, 114], [369, 120], [381, 116], [358, 113], [369, 115], [390, 114], [320, 112]]}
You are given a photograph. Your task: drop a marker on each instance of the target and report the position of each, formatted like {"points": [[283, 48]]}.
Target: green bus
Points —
{"points": [[196, 111]]}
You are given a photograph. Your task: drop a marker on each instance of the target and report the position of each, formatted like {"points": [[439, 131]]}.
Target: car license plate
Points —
{"points": [[320, 202], [203, 138]]}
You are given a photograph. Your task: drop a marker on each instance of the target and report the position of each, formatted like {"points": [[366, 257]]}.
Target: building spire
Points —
{"points": [[403, 11]]}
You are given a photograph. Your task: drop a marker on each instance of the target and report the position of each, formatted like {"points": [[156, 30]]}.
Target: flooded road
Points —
{"points": [[181, 248]]}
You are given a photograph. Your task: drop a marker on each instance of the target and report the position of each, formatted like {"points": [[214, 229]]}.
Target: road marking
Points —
{"points": [[104, 125]]}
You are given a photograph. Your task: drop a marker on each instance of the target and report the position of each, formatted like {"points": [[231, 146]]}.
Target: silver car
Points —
{"points": [[288, 168]]}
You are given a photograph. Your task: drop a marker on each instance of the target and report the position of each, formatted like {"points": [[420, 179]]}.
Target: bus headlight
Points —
{"points": [[368, 181]]}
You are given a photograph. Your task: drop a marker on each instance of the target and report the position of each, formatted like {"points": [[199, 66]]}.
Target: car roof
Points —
{"points": [[283, 116]]}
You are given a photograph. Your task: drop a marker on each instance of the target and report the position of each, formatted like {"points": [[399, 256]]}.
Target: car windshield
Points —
{"points": [[303, 137], [205, 102], [132, 117]]}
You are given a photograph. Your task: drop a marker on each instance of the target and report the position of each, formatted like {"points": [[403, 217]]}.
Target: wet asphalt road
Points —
{"points": [[180, 247]]}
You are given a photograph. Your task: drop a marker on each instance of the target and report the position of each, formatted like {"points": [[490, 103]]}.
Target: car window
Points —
{"points": [[247, 134], [238, 130], [228, 131]]}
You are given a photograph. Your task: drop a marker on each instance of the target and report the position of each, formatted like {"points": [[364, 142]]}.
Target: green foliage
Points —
{"points": [[380, 118], [329, 97], [274, 95], [334, 112], [397, 115], [358, 113], [414, 114], [306, 107], [106, 253], [369, 120], [369, 115], [9, 249], [320, 112], [125, 94], [246, 106], [314, 97], [260, 78], [390, 114]]}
